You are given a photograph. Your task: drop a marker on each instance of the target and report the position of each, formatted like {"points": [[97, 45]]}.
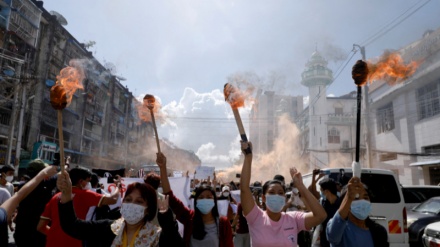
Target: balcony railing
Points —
{"points": [[92, 135], [342, 118]]}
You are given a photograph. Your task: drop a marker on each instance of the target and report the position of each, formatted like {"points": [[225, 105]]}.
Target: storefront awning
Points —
{"points": [[426, 163]]}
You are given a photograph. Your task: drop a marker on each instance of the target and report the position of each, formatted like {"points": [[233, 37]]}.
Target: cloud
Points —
{"points": [[204, 123]]}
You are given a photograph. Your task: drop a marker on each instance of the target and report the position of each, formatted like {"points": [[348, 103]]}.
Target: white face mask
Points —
{"points": [[88, 186], [132, 213], [226, 194], [9, 178]]}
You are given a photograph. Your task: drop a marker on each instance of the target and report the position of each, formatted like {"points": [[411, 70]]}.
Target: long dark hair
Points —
{"points": [[199, 227]]}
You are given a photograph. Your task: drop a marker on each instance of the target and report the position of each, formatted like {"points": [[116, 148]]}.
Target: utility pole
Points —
{"points": [[20, 123], [14, 112]]}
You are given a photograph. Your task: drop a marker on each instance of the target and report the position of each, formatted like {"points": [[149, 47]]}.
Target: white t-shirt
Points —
{"points": [[9, 187], [4, 195]]}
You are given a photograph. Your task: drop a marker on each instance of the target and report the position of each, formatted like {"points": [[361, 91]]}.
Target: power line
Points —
{"points": [[383, 31]]}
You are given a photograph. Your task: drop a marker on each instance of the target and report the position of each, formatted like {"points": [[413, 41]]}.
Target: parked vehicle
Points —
{"points": [[416, 194], [431, 235], [388, 205], [419, 217]]}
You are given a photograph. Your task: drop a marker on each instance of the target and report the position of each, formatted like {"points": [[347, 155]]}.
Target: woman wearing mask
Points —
{"points": [[203, 226], [134, 229], [350, 226], [227, 203], [274, 227]]}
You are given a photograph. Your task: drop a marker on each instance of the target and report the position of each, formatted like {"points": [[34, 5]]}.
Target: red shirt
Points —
{"points": [[82, 201], [242, 226]]}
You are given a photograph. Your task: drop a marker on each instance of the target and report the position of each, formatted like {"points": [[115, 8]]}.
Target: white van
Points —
{"points": [[388, 205]]}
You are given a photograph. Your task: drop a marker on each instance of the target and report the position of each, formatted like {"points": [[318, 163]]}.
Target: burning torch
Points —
{"points": [[149, 102], [391, 68], [359, 74], [235, 99], [61, 94]]}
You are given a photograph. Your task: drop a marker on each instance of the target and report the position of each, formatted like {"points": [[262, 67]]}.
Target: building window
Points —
{"points": [[432, 150], [334, 136], [339, 111], [385, 118], [428, 104]]}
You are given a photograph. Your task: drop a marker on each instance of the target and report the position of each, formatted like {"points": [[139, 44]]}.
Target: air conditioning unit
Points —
{"points": [[345, 145]]}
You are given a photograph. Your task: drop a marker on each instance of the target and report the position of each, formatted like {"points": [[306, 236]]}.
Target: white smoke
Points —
{"points": [[204, 123]]}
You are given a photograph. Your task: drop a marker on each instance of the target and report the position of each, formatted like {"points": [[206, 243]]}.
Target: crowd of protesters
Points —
{"points": [[72, 209]]}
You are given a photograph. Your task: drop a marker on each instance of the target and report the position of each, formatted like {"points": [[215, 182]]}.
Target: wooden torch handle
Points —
{"points": [[155, 129], [241, 128], [61, 139]]}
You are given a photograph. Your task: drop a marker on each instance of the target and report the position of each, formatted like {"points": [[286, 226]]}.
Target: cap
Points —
{"points": [[35, 166], [225, 188]]}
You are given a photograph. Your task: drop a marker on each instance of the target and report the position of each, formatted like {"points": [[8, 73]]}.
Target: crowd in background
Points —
{"points": [[71, 208]]}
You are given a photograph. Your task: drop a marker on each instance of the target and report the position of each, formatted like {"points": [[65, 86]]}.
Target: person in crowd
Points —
{"points": [[294, 201], [203, 226], [242, 238], [154, 180], [274, 227], [7, 175], [105, 211], [9, 206], [25, 178], [279, 178], [350, 226], [170, 229], [316, 176], [170, 235], [30, 209], [338, 188], [16, 185], [331, 203], [84, 198], [134, 229], [4, 195], [225, 197]]}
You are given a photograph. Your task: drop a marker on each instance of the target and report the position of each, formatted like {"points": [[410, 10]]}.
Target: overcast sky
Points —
{"points": [[183, 50]]}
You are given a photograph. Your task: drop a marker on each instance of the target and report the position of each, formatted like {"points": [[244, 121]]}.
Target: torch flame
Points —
{"points": [[68, 81], [235, 97], [149, 102], [391, 68]]}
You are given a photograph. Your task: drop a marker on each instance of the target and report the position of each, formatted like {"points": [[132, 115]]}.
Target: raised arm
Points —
{"points": [[344, 209], [312, 187], [114, 196], [247, 201], [161, 161], [317, 214], [79, 229], [11, 204], [181, 211]]}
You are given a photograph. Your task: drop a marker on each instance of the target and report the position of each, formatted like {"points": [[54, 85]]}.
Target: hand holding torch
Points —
{"points": [[149, 101], [229, 92]]}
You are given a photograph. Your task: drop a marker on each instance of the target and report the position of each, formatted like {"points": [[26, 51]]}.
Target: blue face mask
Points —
{"points": [[205, 205], [322, 195], [275, 203], [360, 209], [338, 194]]}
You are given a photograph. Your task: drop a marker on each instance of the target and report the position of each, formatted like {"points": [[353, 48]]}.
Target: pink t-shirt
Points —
{"points": [[266, 232]]}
